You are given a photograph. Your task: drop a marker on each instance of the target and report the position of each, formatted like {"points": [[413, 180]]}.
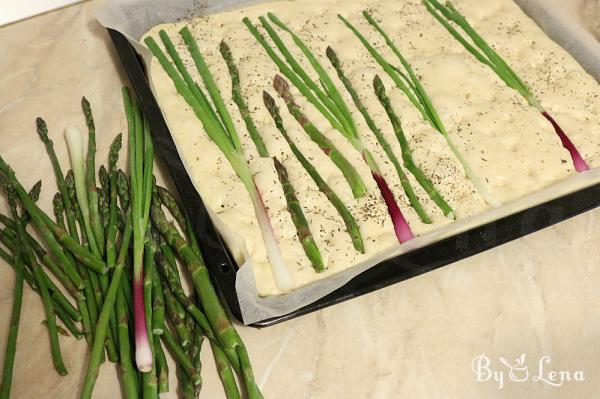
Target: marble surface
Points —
{"points": [[537, 296]]}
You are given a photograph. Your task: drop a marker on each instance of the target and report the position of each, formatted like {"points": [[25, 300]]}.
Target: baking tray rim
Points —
{"points": [[407, 265]]}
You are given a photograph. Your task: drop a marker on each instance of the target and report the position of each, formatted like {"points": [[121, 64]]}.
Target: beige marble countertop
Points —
{"points": [[538, 296]]}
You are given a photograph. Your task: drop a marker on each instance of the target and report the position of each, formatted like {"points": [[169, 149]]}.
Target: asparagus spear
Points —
{"points": [[162, 367], [34, 194], [104, 199], [351, 175], [238, 98], [219, 322], [331, 97], [90, 292], [229, 144], [104, 319], [225, 372], [412, 197], [61, 313], [302, 228], [128, 373], [340, 109], [90, 179], [111, 232], [293, 77], [294, 208], [421, 101], [158, 303], [406, 152], [345, 214], [42, 130], [175, 317], [8, 236], [180, 356], [175, 288], [8, 185], [11, 341], [86, 308], [43, 223]]}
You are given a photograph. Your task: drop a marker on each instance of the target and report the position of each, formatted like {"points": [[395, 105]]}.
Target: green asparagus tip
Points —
{"points": [[269, 100], [85, 104], [42, 128], [36, 190]]}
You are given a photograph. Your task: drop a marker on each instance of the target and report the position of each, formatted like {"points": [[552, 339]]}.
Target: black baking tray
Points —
{"points": [[405, 266]]}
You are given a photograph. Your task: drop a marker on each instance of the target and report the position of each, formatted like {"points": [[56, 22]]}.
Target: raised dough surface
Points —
{"points": [[509, 144]]}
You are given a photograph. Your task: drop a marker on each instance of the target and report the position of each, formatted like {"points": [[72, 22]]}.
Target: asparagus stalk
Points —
{"points": [[11, 341], [90, 179], [294, 208], [293, 76], [332, 95], [421, 101], [158, 303], [128, 373], [180, 356], [75, 145], [162, 367], [343, 114], [231, 148], [175, 288], [43, 223], [406, 151], [173, 314], [9, 186], [169, 201], [34, 194], [225, 372], [91, 309], [42, 130], [87, 314], [56, 295], [238, 98], [8, 237], [351, 175], [169, 262], [304, 234], [104, 198], [412, 197], [446, 14], [103, 320], [111, 232], [219, 322], [345, 214]]}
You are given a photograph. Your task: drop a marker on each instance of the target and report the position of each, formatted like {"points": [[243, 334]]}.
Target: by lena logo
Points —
{"points": [[518, 371]]}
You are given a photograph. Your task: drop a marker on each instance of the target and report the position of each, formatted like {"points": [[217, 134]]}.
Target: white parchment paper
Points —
{"points": [[135, 17]]}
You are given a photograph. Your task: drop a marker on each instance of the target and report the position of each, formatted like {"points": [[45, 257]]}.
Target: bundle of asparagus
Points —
{"points": [[129, 301]]}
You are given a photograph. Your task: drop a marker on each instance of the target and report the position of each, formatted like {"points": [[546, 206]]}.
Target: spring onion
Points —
{"points": [[445, 14]]}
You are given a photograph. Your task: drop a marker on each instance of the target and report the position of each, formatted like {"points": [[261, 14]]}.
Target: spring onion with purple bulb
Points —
{"points": [[228, 143], [332, 100], [446, 14]]}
